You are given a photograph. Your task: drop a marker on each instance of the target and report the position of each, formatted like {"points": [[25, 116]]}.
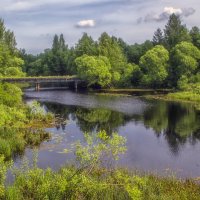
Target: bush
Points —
{"points": [[10, 95]]}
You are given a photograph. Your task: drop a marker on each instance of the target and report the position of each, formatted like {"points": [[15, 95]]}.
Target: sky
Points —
{"points": [[35, 22]]}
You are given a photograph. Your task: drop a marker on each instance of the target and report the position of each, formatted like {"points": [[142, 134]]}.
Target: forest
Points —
{"points": [[169, 60]]}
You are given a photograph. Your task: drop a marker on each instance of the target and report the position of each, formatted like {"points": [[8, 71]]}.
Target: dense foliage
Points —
{"points": [[15, 120], [95, 70], [10, 61], [172, 55]]}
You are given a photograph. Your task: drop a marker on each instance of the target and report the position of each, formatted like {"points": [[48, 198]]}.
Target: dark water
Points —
{"points": [[161, 136]]}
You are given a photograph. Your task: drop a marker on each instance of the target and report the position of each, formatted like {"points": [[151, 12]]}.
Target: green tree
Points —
{"points": [[7, 37], [183, 83], [86, 45], [175, 32], [10, 65], [54, 61], [158, 38], [110, 48], [127, 75], [136, 51], [56, 44], [183, 61], [195, 35], [10, 95], [154, 66], [93, 69]]}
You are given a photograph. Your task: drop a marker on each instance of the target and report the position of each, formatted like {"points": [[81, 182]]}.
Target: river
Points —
{"points": [[162, 137]]}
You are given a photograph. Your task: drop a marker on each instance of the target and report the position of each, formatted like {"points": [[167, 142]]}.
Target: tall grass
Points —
{"points": [[185, 96]]}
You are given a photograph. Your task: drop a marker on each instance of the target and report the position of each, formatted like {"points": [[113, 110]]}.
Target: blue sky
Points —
{"points": [[36, 21]]}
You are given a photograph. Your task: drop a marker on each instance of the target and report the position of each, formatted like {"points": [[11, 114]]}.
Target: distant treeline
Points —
{"points": [[170, 59]]}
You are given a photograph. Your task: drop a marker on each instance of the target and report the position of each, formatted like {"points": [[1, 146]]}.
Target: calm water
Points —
{"points": [[161, 136]]}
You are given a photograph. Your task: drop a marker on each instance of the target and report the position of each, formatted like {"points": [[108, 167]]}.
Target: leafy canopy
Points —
{"points": [[94, 69], [154, 66]]}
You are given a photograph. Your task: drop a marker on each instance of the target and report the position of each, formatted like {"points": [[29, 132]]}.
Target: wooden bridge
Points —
{"points": [[48, 79]]}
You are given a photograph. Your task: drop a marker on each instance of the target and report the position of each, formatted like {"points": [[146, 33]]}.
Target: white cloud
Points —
{"points": [[86, 23], [167, 11], [171, 10]]}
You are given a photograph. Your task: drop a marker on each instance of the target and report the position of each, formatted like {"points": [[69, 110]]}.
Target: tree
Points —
{"points": [[137, 75], [175, 32], [195, 35], [127, 75], [110, 48], [62, 46], [154, 66], [10, 95], [10, 62], [123, 45], [10, 65], [183, 61], [158, 38], [136, 51], [86, 45], [7, 38], [93, 69], [56, 44]]}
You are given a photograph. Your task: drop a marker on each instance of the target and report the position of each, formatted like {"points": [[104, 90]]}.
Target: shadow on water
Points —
{"points": [[159, 134]]}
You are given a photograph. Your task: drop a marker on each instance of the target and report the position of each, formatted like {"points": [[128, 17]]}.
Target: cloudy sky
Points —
{"points": [[36, 21]]}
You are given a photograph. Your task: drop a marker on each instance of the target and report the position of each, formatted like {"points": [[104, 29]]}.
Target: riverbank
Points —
{"points": [[131, 92], [86, 184], [159, 94], [187, 97], [93, 176]]}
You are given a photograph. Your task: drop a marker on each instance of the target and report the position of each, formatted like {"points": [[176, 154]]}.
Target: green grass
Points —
{"points": [[134, 90], [185, 96], [101, 184]]}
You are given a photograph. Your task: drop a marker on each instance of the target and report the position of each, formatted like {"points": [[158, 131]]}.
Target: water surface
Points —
{"points": [[161, 136]]}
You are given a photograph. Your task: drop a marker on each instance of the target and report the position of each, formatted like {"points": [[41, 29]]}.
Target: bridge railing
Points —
{"points": [[40, 79]]}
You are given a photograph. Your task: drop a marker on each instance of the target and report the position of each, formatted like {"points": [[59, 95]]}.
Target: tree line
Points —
{"points": [[169, 60]]}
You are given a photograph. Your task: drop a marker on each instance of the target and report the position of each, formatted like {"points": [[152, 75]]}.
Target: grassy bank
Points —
{"points": [[87, 179], [184, 96], [102, 184], [133, 91], [187, 97], [20, 125]]}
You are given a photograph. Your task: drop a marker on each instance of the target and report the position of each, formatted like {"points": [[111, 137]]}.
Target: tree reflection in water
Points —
{"points": [[177, 122]]}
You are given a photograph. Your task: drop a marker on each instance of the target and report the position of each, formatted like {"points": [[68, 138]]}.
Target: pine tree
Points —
{"points": [[175, 32], [195, 35], [62, 45], [110, 48], [158, 38], [86, 45], [55, 46]]}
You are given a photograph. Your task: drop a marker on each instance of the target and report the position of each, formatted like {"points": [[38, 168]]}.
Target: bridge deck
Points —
{"points": [[52, 79]]}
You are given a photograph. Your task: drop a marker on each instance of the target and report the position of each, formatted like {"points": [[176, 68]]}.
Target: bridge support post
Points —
{"points": [[37, 87], [76, 85]]}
